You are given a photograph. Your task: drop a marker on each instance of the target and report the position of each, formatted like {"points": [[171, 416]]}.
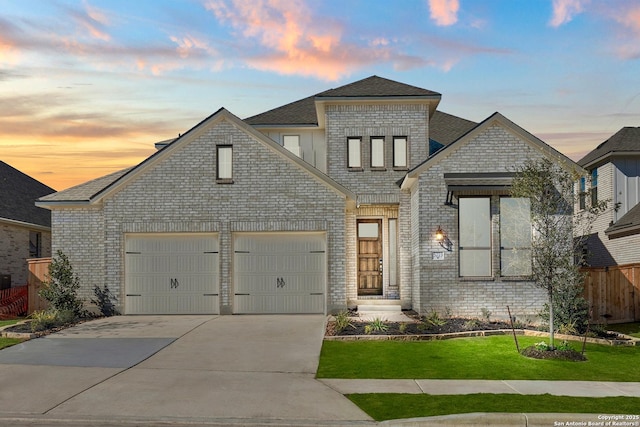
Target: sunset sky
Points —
{"points": [[87, 87]]}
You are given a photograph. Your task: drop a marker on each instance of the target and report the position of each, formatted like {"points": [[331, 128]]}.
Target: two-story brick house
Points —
{"points": [[614, 175], [362, 194]]}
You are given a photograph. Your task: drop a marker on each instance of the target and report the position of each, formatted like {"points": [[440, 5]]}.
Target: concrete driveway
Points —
{"points": [[175, 368]]}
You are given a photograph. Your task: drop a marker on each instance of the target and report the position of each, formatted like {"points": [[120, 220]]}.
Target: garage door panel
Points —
{"points": [[279, 273], [171, 274], [250, 304]]}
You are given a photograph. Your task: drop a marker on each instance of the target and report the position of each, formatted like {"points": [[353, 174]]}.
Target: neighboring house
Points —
{"points": [[325, 203], [25, 230], [614, 171]]}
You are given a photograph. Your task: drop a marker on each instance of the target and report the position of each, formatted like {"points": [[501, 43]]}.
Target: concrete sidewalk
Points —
{"points": [[444, 387]]}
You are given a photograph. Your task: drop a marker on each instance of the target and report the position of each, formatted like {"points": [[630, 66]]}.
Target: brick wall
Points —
{"points": [[180, 194], [440, 287], [14, 251]]}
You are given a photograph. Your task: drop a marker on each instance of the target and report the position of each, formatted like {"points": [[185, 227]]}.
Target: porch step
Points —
{"points": [[379, 307]]}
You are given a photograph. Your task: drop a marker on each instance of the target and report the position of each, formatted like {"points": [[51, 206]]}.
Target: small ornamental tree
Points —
{"points": [[558, 238], [61, 287]]}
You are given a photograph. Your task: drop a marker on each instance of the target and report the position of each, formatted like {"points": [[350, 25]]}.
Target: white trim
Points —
{"points": [[25, 224]]}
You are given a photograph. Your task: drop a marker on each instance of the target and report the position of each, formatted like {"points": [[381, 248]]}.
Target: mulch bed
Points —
{"points": [[416, 328], [570, 355]]}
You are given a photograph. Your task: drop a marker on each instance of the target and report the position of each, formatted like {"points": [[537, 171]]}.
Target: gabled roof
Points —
{"points": [[626, 140], [495, 118], [627, 225], [94, 191], [18, 193], [304, 113]]}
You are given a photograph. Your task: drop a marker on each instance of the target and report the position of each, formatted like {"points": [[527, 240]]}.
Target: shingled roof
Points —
{"points": [[377, 87], [18, 193], [625, 140], [628, 224], [303, 112], [446, 128]]}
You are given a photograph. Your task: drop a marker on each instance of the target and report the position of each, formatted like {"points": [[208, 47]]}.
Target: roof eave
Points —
{"points": [[25, 224], [622, 231], [610, 154]]}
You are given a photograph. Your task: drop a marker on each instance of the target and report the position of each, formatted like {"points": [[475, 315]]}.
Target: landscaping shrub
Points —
{"points": [[52, 318], [61, 287]]}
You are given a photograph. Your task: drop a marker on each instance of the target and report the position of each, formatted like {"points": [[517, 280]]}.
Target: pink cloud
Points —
{"points": [[564, 11], [444, 12]]}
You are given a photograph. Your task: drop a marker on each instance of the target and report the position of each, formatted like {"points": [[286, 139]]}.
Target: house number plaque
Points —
{"points": [[438, 256]]}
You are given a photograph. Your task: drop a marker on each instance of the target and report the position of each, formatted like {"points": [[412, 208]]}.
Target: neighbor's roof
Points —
{"points": [[18, 193], [625, 140], [628, 224], [303, 112]]}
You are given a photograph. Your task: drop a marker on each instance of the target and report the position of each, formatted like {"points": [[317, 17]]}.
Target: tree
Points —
{"points": [[61, 286], [558, 237]]}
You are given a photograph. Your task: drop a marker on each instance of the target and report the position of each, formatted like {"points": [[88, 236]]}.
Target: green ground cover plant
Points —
{"points": [[389, 406], [489, 358]]}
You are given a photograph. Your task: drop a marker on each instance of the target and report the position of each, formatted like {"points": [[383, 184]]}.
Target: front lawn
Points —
{"points": [[8, 342], [8, 322], [387, 406], [488, 358], [632, 329]]}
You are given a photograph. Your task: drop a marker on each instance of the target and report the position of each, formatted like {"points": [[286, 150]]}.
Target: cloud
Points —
{"points": [[565, 10], [444, 12]]}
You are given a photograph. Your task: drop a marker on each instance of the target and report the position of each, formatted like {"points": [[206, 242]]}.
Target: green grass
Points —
{"points": [[8, 342], [389, 406], [489, 358], [632, 329], [8, 322]]}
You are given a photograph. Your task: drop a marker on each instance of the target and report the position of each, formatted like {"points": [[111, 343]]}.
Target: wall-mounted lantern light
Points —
{"points": [[441, 237]]}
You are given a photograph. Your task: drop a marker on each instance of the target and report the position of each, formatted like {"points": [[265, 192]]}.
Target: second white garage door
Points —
{"points": [[279, 273], [171, 274]]}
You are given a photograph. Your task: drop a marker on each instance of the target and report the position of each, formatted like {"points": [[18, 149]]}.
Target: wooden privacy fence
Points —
{"points": [[38, 272], [613, 293]]}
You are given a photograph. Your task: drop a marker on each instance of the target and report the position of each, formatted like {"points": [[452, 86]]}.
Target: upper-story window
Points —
{"points": [[594, 187], [354, 153], [224, 171], [400, 152], [292, 143], [582, 195], [377, 152]]}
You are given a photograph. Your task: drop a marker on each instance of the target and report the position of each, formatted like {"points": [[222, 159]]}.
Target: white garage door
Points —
{"points": [[171, 274], [279, 273]]}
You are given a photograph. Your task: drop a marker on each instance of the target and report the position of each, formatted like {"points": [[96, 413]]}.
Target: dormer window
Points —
{"points": [[377, 152], [354, 148], [400, 152]]}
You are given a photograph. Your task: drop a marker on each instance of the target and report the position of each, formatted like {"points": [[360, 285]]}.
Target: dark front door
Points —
{"points": [[369, 257]]}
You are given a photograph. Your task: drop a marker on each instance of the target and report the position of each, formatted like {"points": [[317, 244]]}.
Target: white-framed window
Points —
{"points": [[292, 143], [475, 236], [354, 153], [225, 162], [515, 236], [400, 152], [377, 152]]}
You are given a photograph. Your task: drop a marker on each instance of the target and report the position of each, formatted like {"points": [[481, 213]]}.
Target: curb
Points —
{"points": [[627, 341]]}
